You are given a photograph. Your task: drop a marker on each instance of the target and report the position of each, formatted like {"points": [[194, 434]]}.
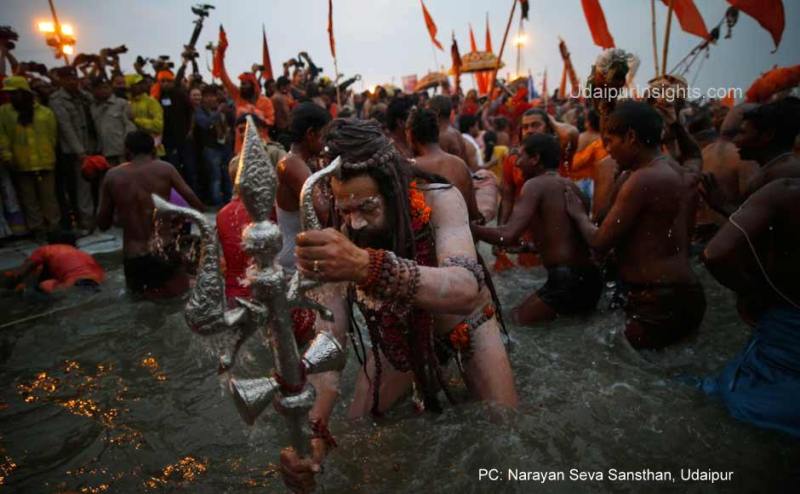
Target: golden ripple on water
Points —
{"points": [[185, 471], [7, 466], [151, 364], [76, 390]]}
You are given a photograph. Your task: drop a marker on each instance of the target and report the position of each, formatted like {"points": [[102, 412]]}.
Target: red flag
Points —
{"points": [[597, 23], [488, 35], [219, 53], [265, 60], [473, 46], [456, 56], [768, 13], [331, 39], [432, 30], [689, 17]]}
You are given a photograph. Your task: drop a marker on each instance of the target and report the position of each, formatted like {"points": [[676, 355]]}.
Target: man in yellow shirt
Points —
{"points": [[147, 112], [28, 133]]}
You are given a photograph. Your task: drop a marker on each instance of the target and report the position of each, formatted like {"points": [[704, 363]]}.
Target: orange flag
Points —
{"points": [[219, 53], [597, 23], [473, 46], [331, 39], [768, 13], [265, 60], [689, 17], [432, 30]]}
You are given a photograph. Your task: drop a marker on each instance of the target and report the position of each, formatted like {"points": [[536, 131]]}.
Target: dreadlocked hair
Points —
{"points": [[365, 150]]}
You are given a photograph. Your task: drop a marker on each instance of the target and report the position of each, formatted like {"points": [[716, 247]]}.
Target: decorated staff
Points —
{"points": [[269, 309]]}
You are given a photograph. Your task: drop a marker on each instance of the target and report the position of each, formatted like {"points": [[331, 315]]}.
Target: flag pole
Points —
{"points": [[338, 96], [655, 34], [502, 48], [666, 40]]}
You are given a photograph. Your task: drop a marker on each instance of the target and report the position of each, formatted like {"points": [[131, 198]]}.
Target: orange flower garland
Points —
{"points": [[459, 337], [420, 211]]}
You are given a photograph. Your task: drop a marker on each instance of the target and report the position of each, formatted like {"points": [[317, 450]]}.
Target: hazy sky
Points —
{"points": [[386, 39]]}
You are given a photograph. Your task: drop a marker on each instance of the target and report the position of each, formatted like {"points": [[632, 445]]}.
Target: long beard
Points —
{"points": [[374, 239]]}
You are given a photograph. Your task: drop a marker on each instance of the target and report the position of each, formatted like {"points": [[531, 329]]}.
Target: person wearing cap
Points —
{"points": [[147, 112], [77, 139], [247, 98], [28, 133]]}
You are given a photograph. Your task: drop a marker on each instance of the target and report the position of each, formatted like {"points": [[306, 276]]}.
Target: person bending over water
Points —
{"points": [[574, 283], [57, 266], [126, 193], [408, 260], [755, 254], [648, 224]]}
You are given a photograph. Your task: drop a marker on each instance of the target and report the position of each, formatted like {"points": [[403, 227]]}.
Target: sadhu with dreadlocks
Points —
{"points": [[407, 257]]}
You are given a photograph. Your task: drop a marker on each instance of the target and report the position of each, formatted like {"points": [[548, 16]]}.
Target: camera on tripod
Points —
{"points": [[202, 9]]}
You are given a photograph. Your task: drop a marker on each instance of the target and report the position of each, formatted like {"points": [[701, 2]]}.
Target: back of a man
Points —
{"points": [[649, 226], [127, 191], [422, 130], [761, 384]]}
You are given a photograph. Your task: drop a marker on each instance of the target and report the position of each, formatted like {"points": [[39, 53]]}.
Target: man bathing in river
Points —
{"points": [[408, 259], [573, 283], [649, 225], [126, 193]]}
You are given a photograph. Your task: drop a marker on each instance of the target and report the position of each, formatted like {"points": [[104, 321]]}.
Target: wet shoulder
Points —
{"points": [[439, 196]]}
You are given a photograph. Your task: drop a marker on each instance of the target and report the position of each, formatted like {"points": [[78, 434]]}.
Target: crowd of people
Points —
{"points": [[624, 196]]}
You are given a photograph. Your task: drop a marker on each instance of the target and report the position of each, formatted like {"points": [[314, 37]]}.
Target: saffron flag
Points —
{"points": [[473, 46], [768, 13], [331, 39], [456, 56], [432, 30], [689, 17], [265, 60], [219, 53], [597, 23]]}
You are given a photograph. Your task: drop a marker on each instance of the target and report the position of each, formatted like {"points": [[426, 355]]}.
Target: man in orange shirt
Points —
{"points": [[56, 266], [247, 98]]}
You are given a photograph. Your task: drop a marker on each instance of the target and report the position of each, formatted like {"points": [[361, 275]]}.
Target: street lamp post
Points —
{"points": [[60, 36]]}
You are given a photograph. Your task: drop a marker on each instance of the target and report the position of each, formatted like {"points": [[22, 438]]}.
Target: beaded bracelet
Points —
{"points": [[374, 269]]}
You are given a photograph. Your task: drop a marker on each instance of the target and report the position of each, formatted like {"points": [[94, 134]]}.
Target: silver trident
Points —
{"points": [[271, 301]]}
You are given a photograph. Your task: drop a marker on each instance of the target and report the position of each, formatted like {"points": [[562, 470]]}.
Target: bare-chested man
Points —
{"points": [[449, 138], [396, 116], [126, 193], [649, 225], [283, 102], [573, 283], [755, 254], [721, 160], [407, 257], [422, 131], [307, 122], [766, 135]]}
